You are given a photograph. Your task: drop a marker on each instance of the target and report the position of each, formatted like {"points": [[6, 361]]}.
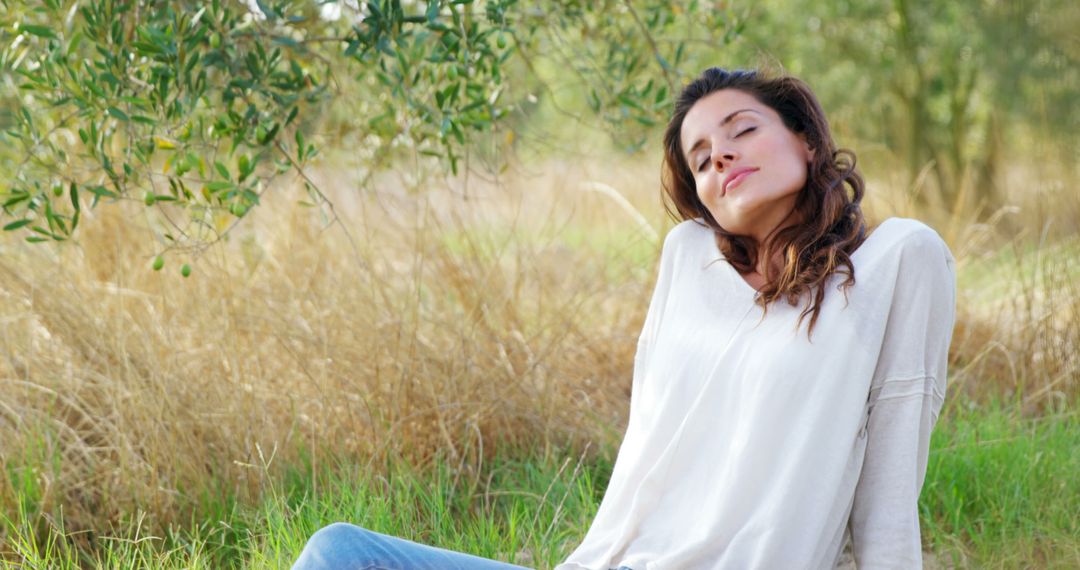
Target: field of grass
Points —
{"points": [[453, 370], [1000, 493]]}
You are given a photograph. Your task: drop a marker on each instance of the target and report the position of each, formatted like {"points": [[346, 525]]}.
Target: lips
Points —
{"points": [[735, 177]]}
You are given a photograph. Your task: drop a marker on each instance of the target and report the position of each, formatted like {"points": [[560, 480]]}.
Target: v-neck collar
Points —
{"points": [[746, 289]]}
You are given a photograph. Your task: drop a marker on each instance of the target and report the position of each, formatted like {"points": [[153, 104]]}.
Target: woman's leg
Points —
{"points": [[342, 546]]}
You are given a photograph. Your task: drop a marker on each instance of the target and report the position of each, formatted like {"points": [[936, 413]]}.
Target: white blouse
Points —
{"points": [[749, 446]]}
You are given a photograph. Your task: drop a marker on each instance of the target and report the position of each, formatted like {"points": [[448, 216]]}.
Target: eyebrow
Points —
{"points": [[725, 121]]}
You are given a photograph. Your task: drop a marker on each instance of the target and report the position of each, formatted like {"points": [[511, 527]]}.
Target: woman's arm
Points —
{"points": [[654, 315], [905, 399]]}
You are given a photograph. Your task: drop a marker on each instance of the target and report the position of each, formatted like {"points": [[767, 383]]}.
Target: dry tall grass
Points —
{"points": [[446, 319]]}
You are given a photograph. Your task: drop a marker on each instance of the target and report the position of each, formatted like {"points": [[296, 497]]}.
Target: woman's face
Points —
{"points": [[748, 167]]}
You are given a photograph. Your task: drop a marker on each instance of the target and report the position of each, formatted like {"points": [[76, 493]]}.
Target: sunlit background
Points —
{"points": [[467, 310]]}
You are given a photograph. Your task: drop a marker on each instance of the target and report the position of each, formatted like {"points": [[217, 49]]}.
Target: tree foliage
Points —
{"points": [[194, 107]]}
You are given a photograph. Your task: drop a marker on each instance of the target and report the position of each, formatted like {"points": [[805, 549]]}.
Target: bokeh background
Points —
{"points": [[425, 318]]}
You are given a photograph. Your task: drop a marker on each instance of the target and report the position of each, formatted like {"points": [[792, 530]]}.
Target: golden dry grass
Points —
{"points": [[459, 318]]}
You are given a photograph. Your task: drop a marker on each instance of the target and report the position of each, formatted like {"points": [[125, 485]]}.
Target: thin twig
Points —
{"points": [[322, 196], [652, 45]]}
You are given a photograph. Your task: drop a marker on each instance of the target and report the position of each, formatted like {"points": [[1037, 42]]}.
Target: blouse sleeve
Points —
{"points": [[654, 315], [906, 396]]}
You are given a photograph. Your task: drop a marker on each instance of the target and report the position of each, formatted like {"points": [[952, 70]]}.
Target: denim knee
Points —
{"points": [[335, 546], [337, 532]]}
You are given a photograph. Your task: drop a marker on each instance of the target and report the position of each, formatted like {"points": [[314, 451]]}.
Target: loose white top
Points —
{"points": [[749, 446]]}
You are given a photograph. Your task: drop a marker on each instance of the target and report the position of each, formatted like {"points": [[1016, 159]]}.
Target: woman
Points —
{"points": [[790, 368]]}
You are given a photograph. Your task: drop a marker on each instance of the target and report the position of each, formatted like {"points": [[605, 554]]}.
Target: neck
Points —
{"points": [[776, 262]]}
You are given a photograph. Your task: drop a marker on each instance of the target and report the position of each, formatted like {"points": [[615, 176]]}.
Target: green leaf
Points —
{"points": [[16, 225], [40, 31], [118, 113], [74, 43], [50, 217], [102, 192], [147, 48], [224, 172], [18, 196], [629, 101], [353, 46], [245, 166], [648, 122], [35, 239], [73, 193], [139, 102], [269, 12]]}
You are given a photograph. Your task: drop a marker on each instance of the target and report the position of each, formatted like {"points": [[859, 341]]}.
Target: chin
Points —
{"points": [[738, 227], [739, 215]]}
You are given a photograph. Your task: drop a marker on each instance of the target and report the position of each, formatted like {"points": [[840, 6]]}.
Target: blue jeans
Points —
{"points": [[343, 546]]}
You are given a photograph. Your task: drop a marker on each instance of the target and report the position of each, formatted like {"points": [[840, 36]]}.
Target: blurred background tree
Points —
{"points": [[954, 92]]}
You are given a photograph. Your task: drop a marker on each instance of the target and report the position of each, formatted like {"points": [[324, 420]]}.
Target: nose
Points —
{"points": [[724, 158]]}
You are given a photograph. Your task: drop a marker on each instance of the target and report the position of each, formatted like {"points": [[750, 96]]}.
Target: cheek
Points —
{"points": [[699, 188], [792, 166], [706, 188]]}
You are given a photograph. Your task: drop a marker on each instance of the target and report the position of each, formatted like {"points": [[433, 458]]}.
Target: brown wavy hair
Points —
{"points": [[830, 223]]}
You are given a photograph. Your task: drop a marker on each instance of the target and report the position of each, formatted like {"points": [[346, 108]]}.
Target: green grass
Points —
{"points": [[527, 511], [1001, 492], [520, 511]]}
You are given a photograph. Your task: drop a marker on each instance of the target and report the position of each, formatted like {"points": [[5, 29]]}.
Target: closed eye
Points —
{"points": [[743, 132]]}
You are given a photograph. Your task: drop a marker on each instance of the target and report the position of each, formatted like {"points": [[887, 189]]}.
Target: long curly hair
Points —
{"points": [[830, 221]]}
